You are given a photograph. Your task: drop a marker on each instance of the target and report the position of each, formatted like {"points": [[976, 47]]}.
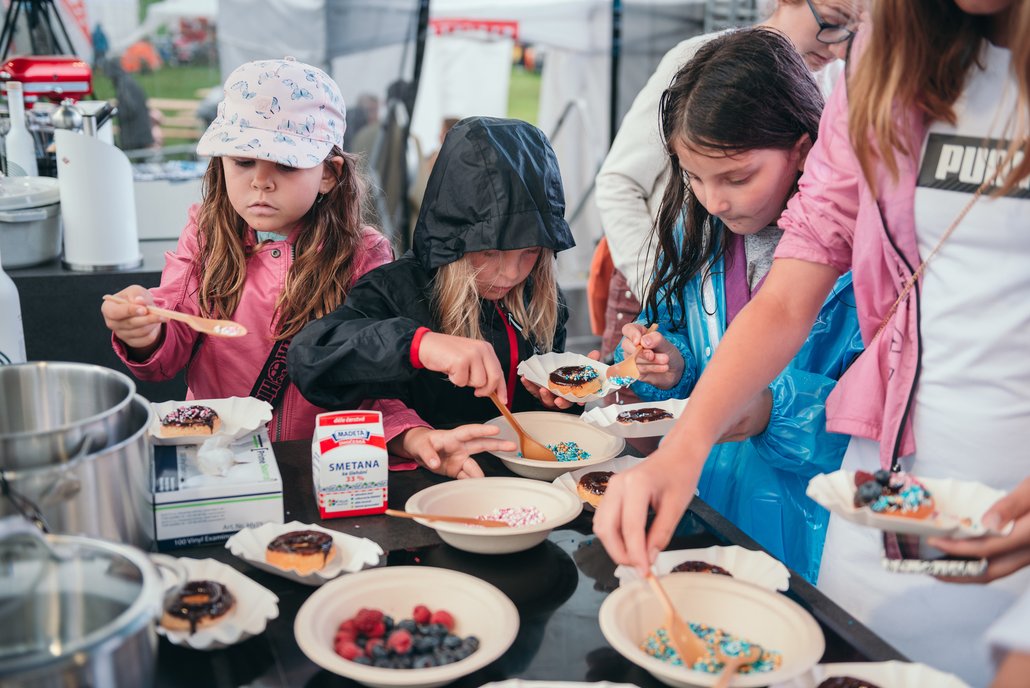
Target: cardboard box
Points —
{"points": [[191, 508], [349, 463]]}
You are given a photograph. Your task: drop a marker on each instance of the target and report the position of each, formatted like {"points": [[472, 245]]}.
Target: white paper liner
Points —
{"points": [[960, 504], [551, 427], [538, 369], [883, 674], [568, 481], [352, 553], [255, 606], [604, 417], [240, 416], [747, 565]]}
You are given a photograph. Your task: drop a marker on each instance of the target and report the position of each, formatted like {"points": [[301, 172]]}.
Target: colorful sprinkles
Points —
{"points": [[658, 646], [515, 516], [566, 451], [190, 416], [622, 381]]}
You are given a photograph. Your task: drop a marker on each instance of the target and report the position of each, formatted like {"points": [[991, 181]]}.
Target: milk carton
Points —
{"points": [[349, 463]]}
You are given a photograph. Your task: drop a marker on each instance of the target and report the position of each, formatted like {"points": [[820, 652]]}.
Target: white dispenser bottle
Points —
{"points": [[21, 148], [12, 334]]}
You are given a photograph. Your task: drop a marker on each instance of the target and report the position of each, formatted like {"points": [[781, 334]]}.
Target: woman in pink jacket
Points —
{"points": [[277, 242], [918, 184]]}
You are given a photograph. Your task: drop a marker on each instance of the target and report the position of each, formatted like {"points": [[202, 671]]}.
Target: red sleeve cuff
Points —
{"points": [[416, 341]]}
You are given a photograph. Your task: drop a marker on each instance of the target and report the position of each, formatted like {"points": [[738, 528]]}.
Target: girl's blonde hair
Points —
{"points": [[323, 264], [456, 301], [918, 56]]}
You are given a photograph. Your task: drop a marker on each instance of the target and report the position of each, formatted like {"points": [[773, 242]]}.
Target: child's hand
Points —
{"points": [[133, 324], [449, 452], [548, 398], [659, 362], [466, 362]]}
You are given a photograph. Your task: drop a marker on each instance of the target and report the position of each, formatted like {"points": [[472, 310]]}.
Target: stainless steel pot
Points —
{"points": [[49, 411], [104, 494], [76, 611], [30, 221]]}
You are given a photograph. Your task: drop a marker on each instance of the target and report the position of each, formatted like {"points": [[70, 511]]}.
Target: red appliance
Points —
{"points": [[54, 77]]}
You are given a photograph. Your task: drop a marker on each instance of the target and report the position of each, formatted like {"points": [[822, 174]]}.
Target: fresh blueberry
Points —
{"points": [[362, 659], [451, 641], [424, 644], [360, 641], [382, 663], [423, 629], [868, 493], [423, 662], [883, 477], [461, 653], [408, 625], [388, 622], [438, 629], [379, 651], [471, 642]]}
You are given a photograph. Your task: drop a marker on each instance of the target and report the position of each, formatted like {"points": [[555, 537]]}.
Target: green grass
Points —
{"points": [[524, 95]]}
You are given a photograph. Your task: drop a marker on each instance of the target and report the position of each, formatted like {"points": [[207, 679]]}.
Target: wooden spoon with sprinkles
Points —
{"points": [[687, 644], [628, 366], [530, 448], [465, 520], [731, 664], [215, 328]]}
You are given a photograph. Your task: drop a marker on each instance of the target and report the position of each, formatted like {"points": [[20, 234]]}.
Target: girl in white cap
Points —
{"points": [[277, 241]]}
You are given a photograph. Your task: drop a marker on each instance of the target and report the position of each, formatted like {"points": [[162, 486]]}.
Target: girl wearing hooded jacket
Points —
{"points": [[447, 324]]}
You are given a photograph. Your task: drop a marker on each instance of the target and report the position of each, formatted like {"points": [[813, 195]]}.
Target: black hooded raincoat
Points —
{"points": [[495, 185]]}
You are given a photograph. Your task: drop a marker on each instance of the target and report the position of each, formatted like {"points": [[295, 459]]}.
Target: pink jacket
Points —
{"points": [[218, 367], [836, 220]]}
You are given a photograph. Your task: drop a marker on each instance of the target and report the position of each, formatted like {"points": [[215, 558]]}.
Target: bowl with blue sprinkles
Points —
{"points": [[729, 615], [532, 509], [576, 443]]}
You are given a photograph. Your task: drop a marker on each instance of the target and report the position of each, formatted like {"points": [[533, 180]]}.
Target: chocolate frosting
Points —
{"points": [[304, 542], [190, 416], [573, 376], [644, 415], [701, 567], [596, 482], [198, 599]]}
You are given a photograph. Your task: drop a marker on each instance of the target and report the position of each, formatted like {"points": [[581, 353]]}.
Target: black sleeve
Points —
{"points": [[359, 351], [563, 319]]}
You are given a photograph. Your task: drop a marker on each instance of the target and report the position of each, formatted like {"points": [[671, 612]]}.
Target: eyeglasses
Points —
{"points": [[829, 34]]}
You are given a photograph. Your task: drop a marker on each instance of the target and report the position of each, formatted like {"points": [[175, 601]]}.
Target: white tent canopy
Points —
{"points": [[162, 14]]}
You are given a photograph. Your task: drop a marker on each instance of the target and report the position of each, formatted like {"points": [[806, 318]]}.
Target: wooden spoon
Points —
{"points": [[733, 663], [628, 366], [687, 644], [216, 328], [530, 448], [467, 520]]}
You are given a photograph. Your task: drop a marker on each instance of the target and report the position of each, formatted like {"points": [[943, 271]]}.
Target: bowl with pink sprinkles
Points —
{"points": [[532, 509]]}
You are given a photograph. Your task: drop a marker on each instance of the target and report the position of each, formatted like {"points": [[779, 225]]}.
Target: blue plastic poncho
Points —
{"points": [[759, 484]]}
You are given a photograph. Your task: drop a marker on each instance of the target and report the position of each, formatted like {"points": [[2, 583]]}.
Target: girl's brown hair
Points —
{"points": [[456, 301], [323, 263], [918, 56]]}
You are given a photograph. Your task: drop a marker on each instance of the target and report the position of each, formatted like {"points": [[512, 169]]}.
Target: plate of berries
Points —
{"points": [[410, 626], [899, 502]]}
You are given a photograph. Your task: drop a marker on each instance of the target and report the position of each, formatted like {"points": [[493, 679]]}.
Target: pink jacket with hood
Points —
{"points": [[222, 367], [836, 220]]}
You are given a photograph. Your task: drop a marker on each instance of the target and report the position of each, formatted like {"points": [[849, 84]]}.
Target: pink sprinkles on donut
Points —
{"points": [[190, 416]]}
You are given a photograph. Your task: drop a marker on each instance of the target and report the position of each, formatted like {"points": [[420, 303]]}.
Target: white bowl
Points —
{"points": [[478, 608], [479, 497], [549, 427], [747, 611]]}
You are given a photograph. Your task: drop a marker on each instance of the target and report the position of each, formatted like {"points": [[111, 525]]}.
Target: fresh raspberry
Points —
{"points": [[365, 615], [862, 477], [376, 630], [421, 614], [371, 645], [369, 621], [443, 618], [348, 649], [399, 641], [347, 630]]}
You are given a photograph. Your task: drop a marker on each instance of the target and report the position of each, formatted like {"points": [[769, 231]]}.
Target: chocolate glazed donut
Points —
{"points": [[197, 600], [596, 482], [701, 567], [572, 376], [303, 542], [643, 415]]}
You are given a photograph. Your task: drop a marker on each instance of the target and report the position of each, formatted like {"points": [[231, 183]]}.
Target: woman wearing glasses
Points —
{"points": [[918, 184], [635, 172]]}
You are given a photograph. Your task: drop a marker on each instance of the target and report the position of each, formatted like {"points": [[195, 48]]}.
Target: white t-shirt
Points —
{"points": [[972, 404]]}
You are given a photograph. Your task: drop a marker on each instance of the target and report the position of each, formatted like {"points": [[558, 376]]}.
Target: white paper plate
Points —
{"points": [[745, 564], [240, 416], [568, 481], [352, 553], [551, 427], [538, 369], [604, 417], [960, 505], [883, 674], [255, 606]]}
